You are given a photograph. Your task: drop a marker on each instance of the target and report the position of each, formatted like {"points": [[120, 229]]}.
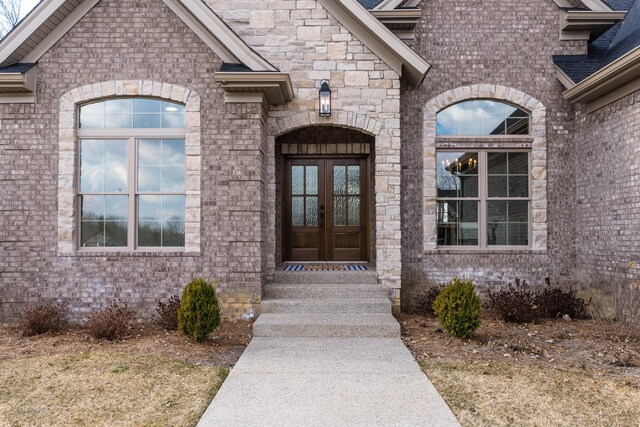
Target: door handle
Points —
{"points": [[321, 216]]}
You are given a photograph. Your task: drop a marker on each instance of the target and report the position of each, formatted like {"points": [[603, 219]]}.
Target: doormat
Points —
{"points": [[325, 267]]}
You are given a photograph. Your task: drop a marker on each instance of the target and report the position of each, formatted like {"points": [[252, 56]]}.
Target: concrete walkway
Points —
{"points": [[327, 352], [327, 382]]}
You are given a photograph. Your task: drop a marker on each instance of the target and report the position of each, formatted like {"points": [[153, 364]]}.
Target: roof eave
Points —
{"points": [[19, 81], [276, 86], [564, 78], [604, 82]]}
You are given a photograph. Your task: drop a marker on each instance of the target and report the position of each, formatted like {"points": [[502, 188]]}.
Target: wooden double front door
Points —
{"points": [[325, 209]]}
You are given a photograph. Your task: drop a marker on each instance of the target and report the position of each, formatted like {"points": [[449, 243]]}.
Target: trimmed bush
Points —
{"points": [[424, 301], [110, 323], [458, 308], [199, 313], [553, 302], [167, 313], [43, 318], [516, 304]]}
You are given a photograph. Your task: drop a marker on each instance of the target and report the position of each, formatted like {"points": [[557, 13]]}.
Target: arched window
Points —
{"points": [[483, 189], [131, 181], [482, 118]]}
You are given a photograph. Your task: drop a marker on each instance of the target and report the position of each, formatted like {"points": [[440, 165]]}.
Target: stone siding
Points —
{"points": [[607, 172], [303, 39], [485, 43]]}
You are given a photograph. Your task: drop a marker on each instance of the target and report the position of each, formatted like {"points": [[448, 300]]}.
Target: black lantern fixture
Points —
{"points": [[325, 99]]}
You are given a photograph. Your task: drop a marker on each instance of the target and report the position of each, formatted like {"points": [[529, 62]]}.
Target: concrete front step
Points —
{"points": [[324, 291], [320, 277], [326, 326], [327, 306]]}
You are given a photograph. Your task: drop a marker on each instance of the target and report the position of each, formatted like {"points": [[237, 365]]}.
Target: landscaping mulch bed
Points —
{"points": [[223, 348], [583, 346], [556, 372]]}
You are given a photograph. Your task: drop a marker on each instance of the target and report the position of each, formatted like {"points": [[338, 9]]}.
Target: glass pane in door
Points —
{"points": [[304, 195], [346, 195]]}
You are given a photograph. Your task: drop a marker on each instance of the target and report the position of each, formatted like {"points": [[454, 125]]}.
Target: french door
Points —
{"points": [[326, 209]]}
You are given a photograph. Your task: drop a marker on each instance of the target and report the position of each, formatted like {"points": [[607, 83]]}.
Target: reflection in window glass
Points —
{"points": [[103, 220], [149, 211], [457, 223], [457, 174], [482, 117], [103, 165], [127, 113], [161, 165], [472, 185], [161, 220]]}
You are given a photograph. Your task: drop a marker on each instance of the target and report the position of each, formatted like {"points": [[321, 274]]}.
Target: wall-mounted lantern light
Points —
{"points": [[325, 99]]}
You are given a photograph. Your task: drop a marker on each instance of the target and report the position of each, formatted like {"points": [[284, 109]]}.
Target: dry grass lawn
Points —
{"points": [[111, 389], [552, 373], [498, 394]]}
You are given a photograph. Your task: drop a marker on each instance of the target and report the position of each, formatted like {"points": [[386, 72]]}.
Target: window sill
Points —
{"points": [[493, 251], [176, 253]]}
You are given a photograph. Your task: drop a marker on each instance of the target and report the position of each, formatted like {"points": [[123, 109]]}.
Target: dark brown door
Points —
{"points": [[326, 214]]}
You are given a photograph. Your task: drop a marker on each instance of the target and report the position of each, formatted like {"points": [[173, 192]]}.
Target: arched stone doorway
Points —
{"points": [[325, 195]]}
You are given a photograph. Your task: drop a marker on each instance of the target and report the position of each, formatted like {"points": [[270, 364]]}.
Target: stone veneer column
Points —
{"points": [[387, 187]]}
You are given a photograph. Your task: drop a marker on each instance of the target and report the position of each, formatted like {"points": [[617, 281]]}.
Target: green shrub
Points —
{"points": [[458, 308], [199, 313]]}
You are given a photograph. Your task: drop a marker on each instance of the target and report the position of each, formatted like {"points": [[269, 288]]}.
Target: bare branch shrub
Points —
{"points": [[43, 318], [424, 301], [10, 15], [618, 304], [167, 313], [110, 323]]}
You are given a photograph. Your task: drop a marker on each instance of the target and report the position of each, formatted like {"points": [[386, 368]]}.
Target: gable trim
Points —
{"points": [[199, 17], [386, 45], [29, 27], [566, 81]]}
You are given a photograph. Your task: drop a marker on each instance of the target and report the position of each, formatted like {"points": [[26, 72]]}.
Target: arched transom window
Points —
{"points": [[482, 118], [131, 181], [483, 183]]}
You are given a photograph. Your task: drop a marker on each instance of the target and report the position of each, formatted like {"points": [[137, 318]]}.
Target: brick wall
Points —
{"points": [[131, 40], [508, 43], [606, 166]]}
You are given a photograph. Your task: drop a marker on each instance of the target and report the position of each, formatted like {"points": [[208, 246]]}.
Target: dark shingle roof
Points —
{"points": [[614, 43], [369, 4], [619, 4], [16, 68], [234, 68]]}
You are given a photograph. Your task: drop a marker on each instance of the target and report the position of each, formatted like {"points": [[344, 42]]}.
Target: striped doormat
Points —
{"points": [[325, 267]]}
